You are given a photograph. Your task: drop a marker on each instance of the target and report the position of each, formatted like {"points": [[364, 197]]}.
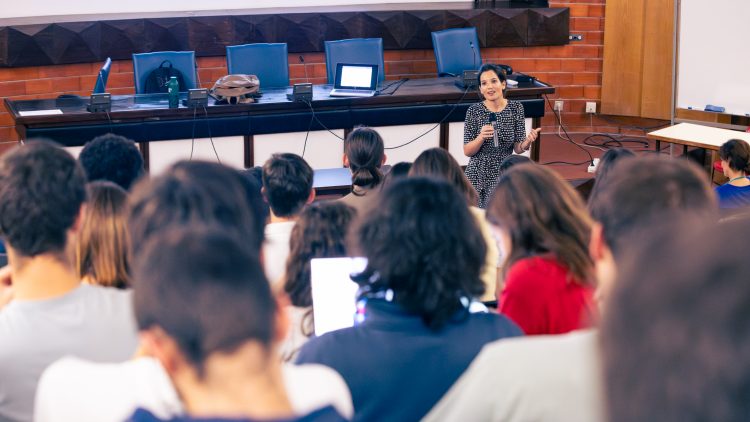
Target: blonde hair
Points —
{"points": [[101, 252]]}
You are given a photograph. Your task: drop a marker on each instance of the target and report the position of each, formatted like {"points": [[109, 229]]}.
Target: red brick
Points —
{"points": [[7, 136], [308, 57], [318, 70], [6, 119], [547, 65], [520, 65], [120, 80], [65, 85], [296, 71], [594, 65], [579, 10], [8, 89], [564, 51], [121, 91], [586, 51], [38, 86], [593, 37], [87, 81], [67, 70], [596, 10], [573, 65], [398, 68], [18, 73], [587, 78], [592, 92], [425, 66], [586, 24], [206, 62], [570, 92], [536, 52], [510, 52], [560, 78]]}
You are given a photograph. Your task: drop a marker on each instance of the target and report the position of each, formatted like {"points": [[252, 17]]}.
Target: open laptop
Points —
{"points": [[355, 80], [334, 294]]}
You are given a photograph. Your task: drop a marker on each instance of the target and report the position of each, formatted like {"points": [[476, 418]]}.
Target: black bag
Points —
{"points": [[157, 80]]}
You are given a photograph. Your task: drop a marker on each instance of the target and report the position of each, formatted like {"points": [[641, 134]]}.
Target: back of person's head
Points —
{"points": [[255, 179], [542, 214], [736, 153], [196, 192], [609, 160], [42, 188], [677, 332], [398, 171], [365, 151], [641, 190], [513, 160], [205, 288], [320, 232], [114, 158], [426, 247], [437, 162], [103, 243], [287, 183]]}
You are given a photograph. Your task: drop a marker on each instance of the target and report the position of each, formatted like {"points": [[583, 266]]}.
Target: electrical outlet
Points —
{"points": [[591, 107], [559, 105], [575, 37]]}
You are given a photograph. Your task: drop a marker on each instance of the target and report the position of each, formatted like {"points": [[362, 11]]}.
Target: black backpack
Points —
{"points": [[157, 80]]}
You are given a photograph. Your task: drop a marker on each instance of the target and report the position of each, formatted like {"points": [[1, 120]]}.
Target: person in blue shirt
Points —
{"points": [[735, 162], [425, 254]]}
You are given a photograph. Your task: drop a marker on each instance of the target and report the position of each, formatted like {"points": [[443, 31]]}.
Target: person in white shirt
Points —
{"points": [[559, 378], [287, 187], [50, 314]]}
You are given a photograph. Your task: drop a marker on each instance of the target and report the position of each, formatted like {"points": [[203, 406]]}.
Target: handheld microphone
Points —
{"points": [[493, 119]]}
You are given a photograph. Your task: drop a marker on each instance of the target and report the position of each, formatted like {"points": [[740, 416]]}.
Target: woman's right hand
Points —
{"points": [[487, 131]]}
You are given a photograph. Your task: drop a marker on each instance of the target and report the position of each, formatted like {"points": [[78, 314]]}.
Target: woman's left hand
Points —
{"points": [[531, 137]]}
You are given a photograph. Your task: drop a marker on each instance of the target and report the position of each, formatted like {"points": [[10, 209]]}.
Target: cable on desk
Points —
{"points": [[568, 138], [192, 144], [210, 136], [436, 125]]}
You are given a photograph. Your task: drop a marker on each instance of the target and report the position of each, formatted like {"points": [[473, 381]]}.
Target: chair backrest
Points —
{"points": [[269, 62], [354, 51], [454, 52], [102, 76], [145, 63]]}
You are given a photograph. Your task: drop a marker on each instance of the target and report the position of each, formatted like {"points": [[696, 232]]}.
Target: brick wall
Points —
{"points": [[575, 70]]}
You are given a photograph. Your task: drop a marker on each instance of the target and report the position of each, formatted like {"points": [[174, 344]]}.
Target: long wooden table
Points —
{"points": [[147, 118]]}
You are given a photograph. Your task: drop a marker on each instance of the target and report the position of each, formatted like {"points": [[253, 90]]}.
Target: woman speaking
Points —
{"points": [[493, 130]]}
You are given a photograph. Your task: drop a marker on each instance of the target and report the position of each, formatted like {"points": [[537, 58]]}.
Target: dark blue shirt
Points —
{"points": [[731, 196], [325, 414], [395, 366]]}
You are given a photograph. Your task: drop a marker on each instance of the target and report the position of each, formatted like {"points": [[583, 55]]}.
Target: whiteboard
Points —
{"points": [[713, 60], [30, 8]]}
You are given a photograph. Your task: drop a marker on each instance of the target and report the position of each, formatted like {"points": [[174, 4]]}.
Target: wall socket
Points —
{"points": [[559, 105], [591, 107]]}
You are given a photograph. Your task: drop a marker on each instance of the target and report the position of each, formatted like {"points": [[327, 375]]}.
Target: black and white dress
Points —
{"points": [[484, 166]]}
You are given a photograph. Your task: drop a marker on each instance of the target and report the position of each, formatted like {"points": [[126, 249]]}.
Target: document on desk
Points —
{"points": [[40, 112]]}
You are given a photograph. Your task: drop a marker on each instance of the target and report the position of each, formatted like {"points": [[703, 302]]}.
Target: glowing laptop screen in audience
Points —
{"points": [[333, 292]]}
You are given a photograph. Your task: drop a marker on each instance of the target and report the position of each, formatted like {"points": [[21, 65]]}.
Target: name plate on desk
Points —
{"points": [[39, 112]]}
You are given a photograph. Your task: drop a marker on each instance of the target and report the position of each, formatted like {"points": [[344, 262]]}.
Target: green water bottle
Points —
{"points": [[173, 88]]}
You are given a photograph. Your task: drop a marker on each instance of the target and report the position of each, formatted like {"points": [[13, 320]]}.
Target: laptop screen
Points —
{"points": [[333, 292], [356, 76]]}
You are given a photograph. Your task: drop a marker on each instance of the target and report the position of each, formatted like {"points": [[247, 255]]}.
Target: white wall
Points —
{"points": [[713, 61], [15, 9]]}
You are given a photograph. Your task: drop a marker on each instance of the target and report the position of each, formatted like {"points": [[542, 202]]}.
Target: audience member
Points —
{"points": [[255, 175], [51, 315], [604, 168], [437, 162], [675, 337], [287, 187], [735, 162], [513, 160], [102, 249], [321, 232], [192, 306], [418, 335], [114, 158], [397, 171], [558, 378], [189, 194], [364, 154], [544, 225]]}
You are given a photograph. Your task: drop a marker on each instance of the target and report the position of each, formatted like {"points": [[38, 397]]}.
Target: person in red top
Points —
{"points": [[544, 229]]}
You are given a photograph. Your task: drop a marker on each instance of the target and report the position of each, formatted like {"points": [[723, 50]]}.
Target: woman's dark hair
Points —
{"points": [[489, 67], [320, 232], [437, 162], [513, 160], [737, 153], [543, 214], [604, 169], [398, 171], [365, 150], [426, 246]]}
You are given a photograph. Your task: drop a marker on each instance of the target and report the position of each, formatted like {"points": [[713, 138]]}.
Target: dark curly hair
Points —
{"points": [[114, 158], [320, 232], [42, 188], [426, 246]]}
